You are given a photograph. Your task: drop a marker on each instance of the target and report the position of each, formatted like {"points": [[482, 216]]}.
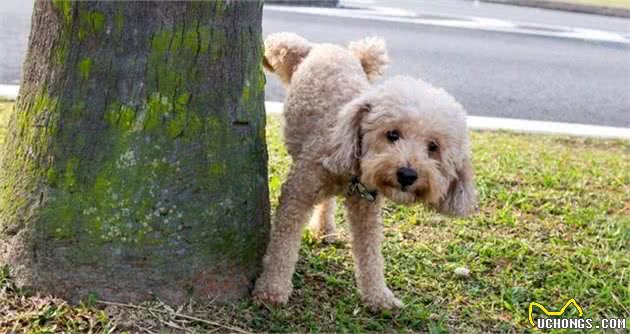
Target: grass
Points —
{"points": [[5, 111], [21, 311], [554, 224]]}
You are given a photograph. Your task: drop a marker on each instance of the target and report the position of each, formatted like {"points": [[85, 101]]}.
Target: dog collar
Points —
{"points": [[356, 187]]}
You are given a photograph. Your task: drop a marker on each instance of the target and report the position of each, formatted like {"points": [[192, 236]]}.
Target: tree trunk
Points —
{"points": [[135, 164]]}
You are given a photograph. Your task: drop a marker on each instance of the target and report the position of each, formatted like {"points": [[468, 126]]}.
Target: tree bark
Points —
{"points": [[135, 164]]}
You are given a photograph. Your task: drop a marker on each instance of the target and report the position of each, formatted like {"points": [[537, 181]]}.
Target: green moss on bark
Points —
{"points": [[85, 65], [65, 8], [219, 41], [120, 116], [120, 20], [123, 202], [91, 23]]}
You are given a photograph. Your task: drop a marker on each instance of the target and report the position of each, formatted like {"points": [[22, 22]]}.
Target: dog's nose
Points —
{"points": [[406, 176]]}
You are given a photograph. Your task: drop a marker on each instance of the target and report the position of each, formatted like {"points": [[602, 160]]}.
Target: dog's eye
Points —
{"points": [[433, 146], [393, 135]]}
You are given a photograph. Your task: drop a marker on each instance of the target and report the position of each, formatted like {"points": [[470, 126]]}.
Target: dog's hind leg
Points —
{"points": [[323, 221], [367, 235], [299, 194]]}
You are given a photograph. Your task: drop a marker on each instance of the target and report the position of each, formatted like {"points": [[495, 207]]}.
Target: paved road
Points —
{"points": [[15, 24], [491, 73], [511, 13]]}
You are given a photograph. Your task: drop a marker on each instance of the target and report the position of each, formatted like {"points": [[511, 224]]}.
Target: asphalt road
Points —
{"points": [[15, 25], [490, 73], [510, 13]]}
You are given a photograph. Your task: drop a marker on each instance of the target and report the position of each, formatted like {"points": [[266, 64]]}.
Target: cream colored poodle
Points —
{"points": [[403, 140]]}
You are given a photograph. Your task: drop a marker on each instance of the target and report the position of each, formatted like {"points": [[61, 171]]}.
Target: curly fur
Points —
{"points": [[372, 53], [336, 125], [285, 51]]}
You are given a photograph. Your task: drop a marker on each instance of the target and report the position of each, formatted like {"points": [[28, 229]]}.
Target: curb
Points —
{"points": [[566, 6], [522, 126]]}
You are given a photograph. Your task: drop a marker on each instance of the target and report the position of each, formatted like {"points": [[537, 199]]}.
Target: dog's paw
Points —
{"points": [[382, 300], [271, 294]]}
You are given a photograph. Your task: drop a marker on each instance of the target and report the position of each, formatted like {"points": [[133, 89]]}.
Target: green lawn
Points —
{"points": [[554, 224], [5, 108]]}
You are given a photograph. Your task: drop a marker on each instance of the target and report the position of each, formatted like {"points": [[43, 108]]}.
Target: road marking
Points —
{"points": [[523, 125], [474, 122], [389, 14]]}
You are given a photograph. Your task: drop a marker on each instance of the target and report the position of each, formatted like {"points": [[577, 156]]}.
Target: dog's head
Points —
{"points": [[409, 141]]}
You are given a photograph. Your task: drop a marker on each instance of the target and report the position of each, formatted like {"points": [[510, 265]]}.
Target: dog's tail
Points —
{"points": [[372, 53], [283, 53]]}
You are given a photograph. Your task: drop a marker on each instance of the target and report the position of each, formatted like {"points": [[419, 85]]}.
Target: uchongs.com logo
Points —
{"points": [[554, 320]]}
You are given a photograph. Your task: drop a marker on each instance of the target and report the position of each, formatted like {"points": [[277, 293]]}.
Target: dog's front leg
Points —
{"points": [[367, 235], [299, 194]]}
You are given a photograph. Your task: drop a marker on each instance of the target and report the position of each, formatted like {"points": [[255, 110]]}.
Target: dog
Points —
{"points": [[402, 139]]}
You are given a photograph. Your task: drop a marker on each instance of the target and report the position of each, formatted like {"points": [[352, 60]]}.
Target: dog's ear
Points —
{"points": [[461, 197], [345, 145]]}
